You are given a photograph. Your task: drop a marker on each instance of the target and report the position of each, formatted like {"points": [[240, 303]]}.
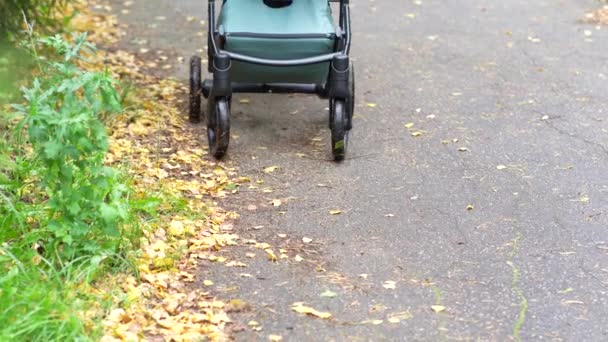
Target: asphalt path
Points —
{"points": [[492, 208]]}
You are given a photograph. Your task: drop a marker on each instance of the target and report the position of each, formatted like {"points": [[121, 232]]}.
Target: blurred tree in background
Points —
{"points": [[45, 16], [43, 13]]}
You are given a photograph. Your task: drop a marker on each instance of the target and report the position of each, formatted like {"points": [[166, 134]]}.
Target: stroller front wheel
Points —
{"points": [[338, 125], [218, 126]]}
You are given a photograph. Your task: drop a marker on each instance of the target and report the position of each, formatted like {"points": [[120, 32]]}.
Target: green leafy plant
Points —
{"points": [[62, 117], [66, 219]]}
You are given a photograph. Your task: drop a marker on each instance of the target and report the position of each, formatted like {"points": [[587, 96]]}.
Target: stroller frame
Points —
{"points": [[338, 88]]}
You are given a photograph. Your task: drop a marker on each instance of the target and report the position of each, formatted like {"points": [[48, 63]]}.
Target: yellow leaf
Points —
{"points": [[371, 105], [335, 212], [300, 308], [207, 282], [463, 149], [390, 285], [416, 134], [244, 101], [470, 207], [271, 255], [176, 228], [271, 169], [306, 240], [298, 258], [409, 125], [437, 308], [276, 202], [399, 316], [275, 338]]}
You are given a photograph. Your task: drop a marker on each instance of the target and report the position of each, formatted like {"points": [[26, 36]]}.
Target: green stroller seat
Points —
{"points": [[256, 48], [303, 29]]}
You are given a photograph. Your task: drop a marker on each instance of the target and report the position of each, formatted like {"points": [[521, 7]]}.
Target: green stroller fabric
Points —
{"points": [[303, 29]]}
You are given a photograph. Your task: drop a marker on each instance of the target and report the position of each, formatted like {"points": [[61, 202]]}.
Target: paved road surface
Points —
{"points": [[511, 98]]}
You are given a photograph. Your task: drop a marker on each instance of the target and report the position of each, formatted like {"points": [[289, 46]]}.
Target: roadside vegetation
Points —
{"points": [[65, 217], [102, 216]]}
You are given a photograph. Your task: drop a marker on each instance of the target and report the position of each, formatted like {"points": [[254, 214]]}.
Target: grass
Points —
{"points": [[58, 242], [39, 303]]}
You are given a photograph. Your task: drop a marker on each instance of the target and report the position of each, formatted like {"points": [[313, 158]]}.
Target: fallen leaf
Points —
{"points": [[501, 167], [390, 285], [399, 316], [207, 282], [306, 240], [276, 202], [409, 125], [335, 212], [271, 169], [298, 258], [300, 308], [275, 338], [371, 105], [329, 294], [470, 207], [437, 308], [271, 255], [463, 149], [416, 134], [176, 228]]}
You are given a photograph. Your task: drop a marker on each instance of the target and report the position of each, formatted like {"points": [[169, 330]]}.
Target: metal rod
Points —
{"points": [[278, 88], [281, 62]]}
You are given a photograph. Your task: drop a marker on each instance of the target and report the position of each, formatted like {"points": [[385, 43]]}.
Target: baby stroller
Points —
{"points": [[257, 48]]}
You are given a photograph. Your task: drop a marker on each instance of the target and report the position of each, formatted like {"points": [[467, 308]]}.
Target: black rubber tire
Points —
{"points": [[218, 126], [196, 91], [350, 103], [339, 133]]}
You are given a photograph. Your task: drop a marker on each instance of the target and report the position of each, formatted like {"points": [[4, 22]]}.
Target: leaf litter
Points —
{"points": [[166, 158]]}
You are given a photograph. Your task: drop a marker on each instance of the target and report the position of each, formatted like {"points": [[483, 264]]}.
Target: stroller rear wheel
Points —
{"points": [[338, 125], [196, 92], [218, 125]]}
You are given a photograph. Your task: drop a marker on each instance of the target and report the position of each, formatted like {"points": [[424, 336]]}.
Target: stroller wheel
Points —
{"points": [[339, 133], [195, 90], [218, 125], [350, 103]]}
